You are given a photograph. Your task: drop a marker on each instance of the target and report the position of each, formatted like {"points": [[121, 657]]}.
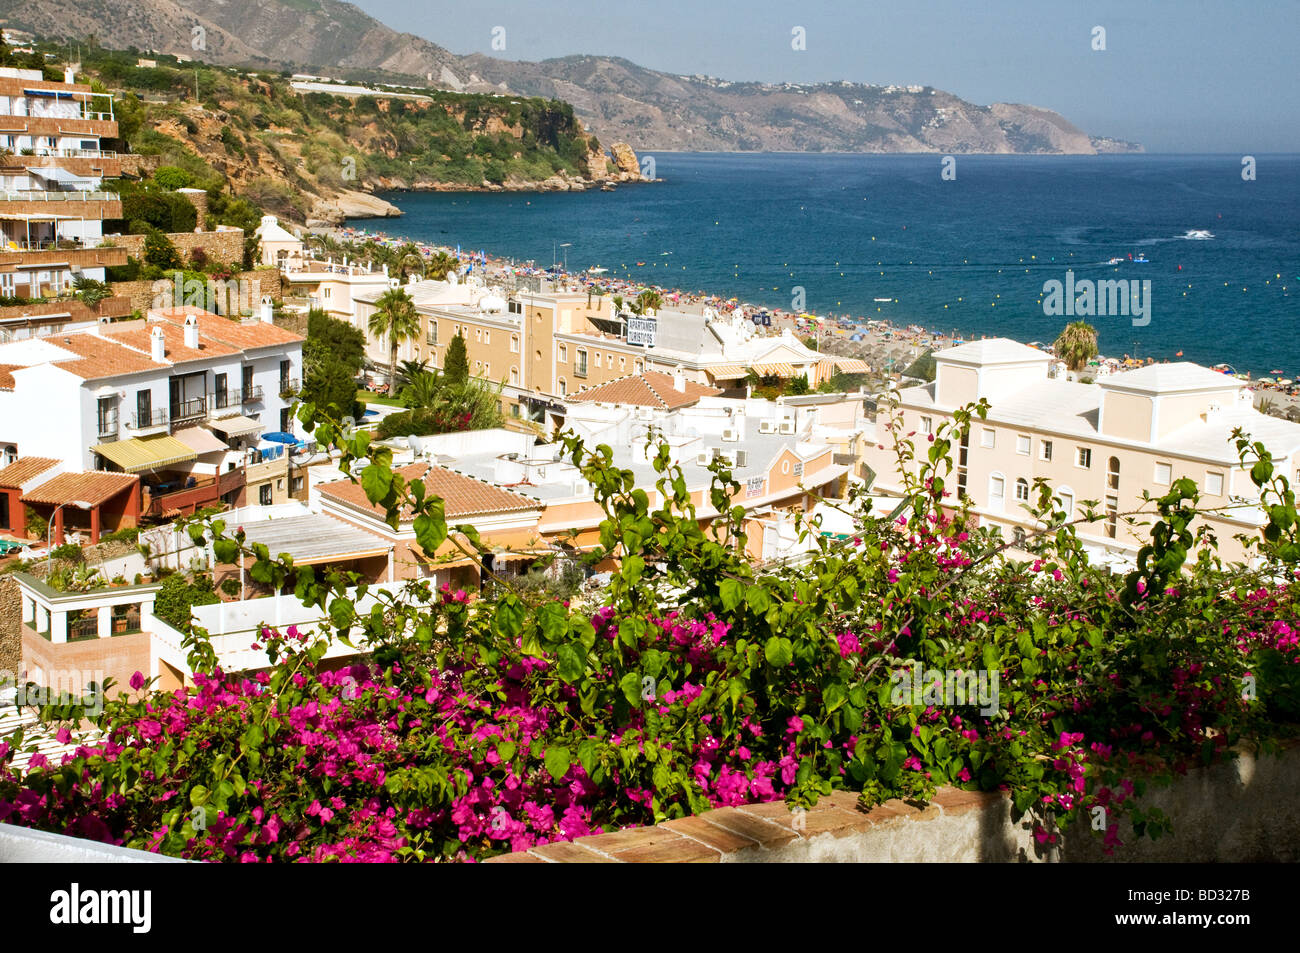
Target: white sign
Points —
{"points": [[754, 486], [641, 331]]}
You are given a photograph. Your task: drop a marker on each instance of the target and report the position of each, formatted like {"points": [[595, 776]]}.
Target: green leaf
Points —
{"points": [[631, 685], [732, 592], [376, 481], [557, 762], [431, 530], [506, 750], [778, 651], [571, 662]]}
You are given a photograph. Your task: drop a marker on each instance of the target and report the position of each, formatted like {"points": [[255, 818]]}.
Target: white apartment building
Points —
{"points": [[1131, 432], [102, 398]]}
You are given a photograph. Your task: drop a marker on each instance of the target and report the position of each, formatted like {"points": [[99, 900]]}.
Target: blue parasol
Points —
{"points": [[279, 436]]}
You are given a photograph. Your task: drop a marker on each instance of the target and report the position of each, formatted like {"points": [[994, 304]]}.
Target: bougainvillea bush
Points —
{"points": [[470, 727]]}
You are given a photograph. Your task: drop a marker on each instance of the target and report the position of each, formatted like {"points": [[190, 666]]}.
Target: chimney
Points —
{"points": [[268, 312], [192, 332], [157, 346], [69, 74], [679, 380]]}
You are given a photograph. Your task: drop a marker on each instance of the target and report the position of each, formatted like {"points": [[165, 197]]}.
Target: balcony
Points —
{"points": [[190, 494], [154, 420], [237, 397], [580, 370], [289, 387]]}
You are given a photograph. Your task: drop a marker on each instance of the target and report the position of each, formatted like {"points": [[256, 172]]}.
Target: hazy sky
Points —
{"points": [[1176, 75]]}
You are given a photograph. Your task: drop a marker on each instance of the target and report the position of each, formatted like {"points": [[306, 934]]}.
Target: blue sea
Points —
{"points": [[969, 254]]}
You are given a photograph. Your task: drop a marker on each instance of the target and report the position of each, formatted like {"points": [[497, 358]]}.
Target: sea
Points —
{"points": [[965, 245]]}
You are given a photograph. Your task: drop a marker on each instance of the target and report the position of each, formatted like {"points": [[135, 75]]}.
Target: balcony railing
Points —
{"points": [[289, 386], [234, 398], [191, 409], [157, 418], [108, 425], [580, 370], [27, 195]]}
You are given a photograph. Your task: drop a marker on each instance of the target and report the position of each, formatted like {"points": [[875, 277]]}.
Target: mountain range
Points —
{"points": [[616, 99]]}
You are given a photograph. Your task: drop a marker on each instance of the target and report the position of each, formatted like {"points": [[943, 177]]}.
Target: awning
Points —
{"points": [[201, 441], [61, 175], [727, 371], [145, 453], [235, 426], [777, 369], [852, 366], [514, 557]]}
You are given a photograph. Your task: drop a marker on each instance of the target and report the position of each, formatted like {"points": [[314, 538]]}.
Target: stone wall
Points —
{"points": [[262, 281], [225, 246], [1243, 811], [11, 645]]}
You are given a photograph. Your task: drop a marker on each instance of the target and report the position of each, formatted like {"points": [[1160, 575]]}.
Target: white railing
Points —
{"points": [[47, 196]]}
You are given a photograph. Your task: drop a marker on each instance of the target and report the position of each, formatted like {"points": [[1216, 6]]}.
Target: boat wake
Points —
{"points": [[1197, 235]]}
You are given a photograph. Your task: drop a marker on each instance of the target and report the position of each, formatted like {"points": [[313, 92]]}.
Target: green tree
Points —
{"points": [[923, 368], [1077, 345], [798, 385], [440, 265], [178, 596], [396, 319], [456, 365], [159, 250]]}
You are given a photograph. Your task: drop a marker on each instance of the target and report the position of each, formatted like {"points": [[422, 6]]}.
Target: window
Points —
{"points": [[487, 335], [487, 369], [1022, 490], [1022, 445], [143, 408], [598, 359], [1018, 534], [1067, 503], [514, 346], [247, 371], [295, 485], [107, 416], [1214, 484], [638, 367], [997, 491], [1045, 450], [1112, 473], [284, 376], [514, 410], [564, 387], [221, 395], [286, 420], [4, 511], [279, 484], [1084, 458], [580, 365], [622, 363], [1163, 473], [927, 425], [264, 494], [515, 307], [514, 375], [1112, 515], [988, 438], [431, 337], [564, 354], [478, 334]]}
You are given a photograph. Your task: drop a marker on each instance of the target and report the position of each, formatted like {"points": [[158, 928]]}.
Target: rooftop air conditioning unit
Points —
{"points": [[730, 433], [726, 458], [703, 459], [787, 426], [581, 488], [742, 458], [767, 426]]}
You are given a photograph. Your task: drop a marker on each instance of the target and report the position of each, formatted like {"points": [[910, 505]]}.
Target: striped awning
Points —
{"points": [[779, 369], [727, 371], [145, 453], [514, 557], [849, 365]]}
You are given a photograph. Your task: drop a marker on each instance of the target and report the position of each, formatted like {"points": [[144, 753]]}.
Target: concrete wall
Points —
{"points": [[1244, 811], [21, 845], [11, 646], [141, 293]]}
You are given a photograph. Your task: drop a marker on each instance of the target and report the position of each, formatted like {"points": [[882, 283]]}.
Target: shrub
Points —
{"points": [[178, 595], [68, 552]]}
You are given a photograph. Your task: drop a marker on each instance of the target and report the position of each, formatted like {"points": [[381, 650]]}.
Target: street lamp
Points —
{"points": [[566, 246], [49, 529]]}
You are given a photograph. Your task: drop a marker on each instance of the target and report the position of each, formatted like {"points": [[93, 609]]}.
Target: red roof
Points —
{"points": [[651, 389], [93, 487], [461, 495], [23, 469]]}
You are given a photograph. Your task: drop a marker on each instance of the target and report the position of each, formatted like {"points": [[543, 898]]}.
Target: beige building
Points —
{"points": [[1131, 433]]}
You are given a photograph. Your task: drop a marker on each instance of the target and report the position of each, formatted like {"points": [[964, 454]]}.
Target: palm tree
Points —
{"points": [[440, 265], [649, 300], [409, 261], [394, 318], [1077, 345]]}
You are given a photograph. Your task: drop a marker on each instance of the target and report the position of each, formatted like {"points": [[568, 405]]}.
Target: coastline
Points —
{"points": [[828, 327]]}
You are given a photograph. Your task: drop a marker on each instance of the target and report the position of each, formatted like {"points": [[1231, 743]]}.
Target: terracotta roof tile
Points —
{"points": [[6, 376], [93, 487], [651, 389], [461, 495], [99, 357], [237, 334], [174, 349], [23, 469]]}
